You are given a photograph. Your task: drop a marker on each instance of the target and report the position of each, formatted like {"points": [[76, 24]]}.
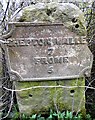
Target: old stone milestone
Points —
{"points": [[46, 46]]}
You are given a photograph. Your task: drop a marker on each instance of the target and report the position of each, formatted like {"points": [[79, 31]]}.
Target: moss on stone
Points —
{"points": [[56, 13], [43, 99], [40, 100]]}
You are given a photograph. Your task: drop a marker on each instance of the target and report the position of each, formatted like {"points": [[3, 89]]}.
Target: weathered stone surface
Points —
{"points": [[66, 13], [38, 52], [41, 100]]}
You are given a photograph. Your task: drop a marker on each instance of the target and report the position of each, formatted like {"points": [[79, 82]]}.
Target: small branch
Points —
{"points": [[6, 11]]}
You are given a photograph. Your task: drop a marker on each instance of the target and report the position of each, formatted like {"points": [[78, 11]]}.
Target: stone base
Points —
{"points": [[41, 100]]}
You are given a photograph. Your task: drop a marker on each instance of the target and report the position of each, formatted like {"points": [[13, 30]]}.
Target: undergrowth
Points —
{"points": [[66, 115]]}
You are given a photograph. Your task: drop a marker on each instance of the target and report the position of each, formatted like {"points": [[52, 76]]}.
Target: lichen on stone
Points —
{"points": [[66, 13], [44, 99]]}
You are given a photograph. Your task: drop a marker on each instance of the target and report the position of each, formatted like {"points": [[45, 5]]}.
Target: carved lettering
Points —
{"points": [[50, 41], [58, 59], [51, 50], [34, 42], [50, 69], [51, 60], [43, 60], [37, 60]]}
